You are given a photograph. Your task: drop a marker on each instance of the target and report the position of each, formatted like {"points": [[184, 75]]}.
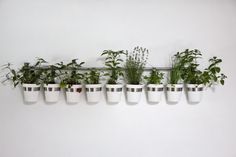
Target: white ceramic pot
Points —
{"points": [[174, 92], [73, 93], [31, 92], [134, 93], [194, 92], [154, 92], [93, 92], [51, 92], [114, 92]]}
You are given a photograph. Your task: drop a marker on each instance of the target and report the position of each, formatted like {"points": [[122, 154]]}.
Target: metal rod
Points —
{"points": [[104, 68]]}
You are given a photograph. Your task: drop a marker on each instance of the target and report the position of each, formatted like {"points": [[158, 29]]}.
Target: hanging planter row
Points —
{"points": [[113, 93], [184, 70]]}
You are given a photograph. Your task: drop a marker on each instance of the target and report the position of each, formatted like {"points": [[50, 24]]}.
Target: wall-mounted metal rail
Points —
{"points": [[104, 68]]}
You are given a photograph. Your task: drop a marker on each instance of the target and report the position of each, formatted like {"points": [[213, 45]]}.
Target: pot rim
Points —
{"points": [[134, 85], [31, 85], [155, 85], [93, 85], [51, 85], [195, 85], [114, 85], [175, 85], [74, 86]]}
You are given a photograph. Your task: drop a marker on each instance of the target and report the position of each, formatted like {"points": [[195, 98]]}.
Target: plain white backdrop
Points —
{"points": [[65, 29]]}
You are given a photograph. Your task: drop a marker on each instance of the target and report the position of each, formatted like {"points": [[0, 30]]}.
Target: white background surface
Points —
{"points": [[67, 29]]}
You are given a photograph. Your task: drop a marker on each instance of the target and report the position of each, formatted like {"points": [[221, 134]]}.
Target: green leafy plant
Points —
{"points": [[92, 77], [182, 62], [191, 73], [155, 77], [51, 72], [28, 74], [212, 74], [135, 64], [71, 75], [113, 63]]}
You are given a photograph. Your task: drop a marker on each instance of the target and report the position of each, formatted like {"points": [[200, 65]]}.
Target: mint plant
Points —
{"points": [[155, 77]]}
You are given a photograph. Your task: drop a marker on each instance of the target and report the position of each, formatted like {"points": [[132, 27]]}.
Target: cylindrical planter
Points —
{"points": [[31, 92], [194, 92], [174, 92], [73, 93], [93, 92], [51, 92], [154, 92], [114, 92], [133, 93]]}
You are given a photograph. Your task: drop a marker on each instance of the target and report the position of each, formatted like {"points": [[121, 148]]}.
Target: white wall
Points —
{"points": [[66, 29]]}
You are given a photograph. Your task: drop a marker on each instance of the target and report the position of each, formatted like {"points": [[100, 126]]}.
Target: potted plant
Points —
{"points": [[29, 77], [93, 87], [197, 80], [71, 81], [154, 86], [113, 63], [174, 87], [51, 86], [192, 76], [134, 67]]}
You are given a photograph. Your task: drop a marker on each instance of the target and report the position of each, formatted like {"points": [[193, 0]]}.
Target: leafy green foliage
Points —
{"points": [[155, 77], [213, 74], [51, 72], [70, 74], [92, 77], [135, 64], [113, 62], [190, 72], [180, 62], [26, 74], [192, 75]]}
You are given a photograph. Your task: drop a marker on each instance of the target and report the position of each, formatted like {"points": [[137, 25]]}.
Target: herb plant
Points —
{"points": [[135, 64], [191, 73], [155, 77], [28, 74], [71, 75], [51, 72], [92, 77], [212, 74], [181, 63], [113, 63]]}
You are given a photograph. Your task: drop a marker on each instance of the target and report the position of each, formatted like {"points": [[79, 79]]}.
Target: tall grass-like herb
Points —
{"points": [[135, 64]]}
